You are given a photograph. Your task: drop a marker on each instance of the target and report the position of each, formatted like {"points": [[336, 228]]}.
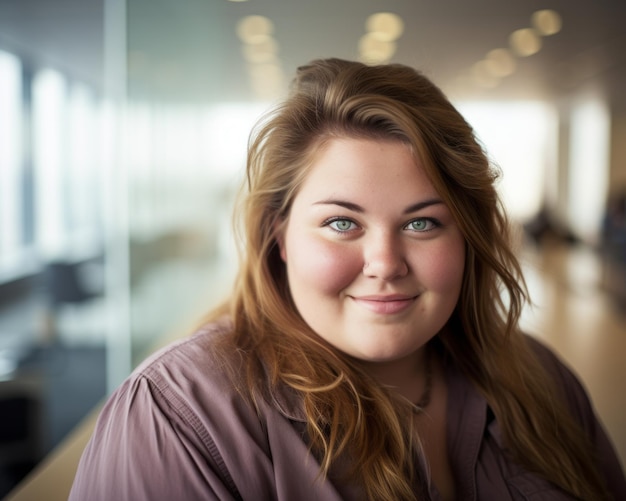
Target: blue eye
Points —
{"points": [[341, 225], [422, 224]]}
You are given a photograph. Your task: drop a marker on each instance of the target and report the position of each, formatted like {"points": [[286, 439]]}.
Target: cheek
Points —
{"points": [[444, 268], [319, 266]]}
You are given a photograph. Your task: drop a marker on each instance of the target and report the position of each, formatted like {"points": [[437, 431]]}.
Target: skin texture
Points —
{"points": [[374, 258]]}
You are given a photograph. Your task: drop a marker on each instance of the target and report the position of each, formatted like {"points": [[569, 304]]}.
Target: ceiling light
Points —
{"points": [[266, 72], [547, 22], [482, 76], [374, 50], [385, 26], [263, 52], [500, 62], [525, 42], [254, 29]]}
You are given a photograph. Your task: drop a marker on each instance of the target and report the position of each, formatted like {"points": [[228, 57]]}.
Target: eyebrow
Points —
{"points": [[357, 208]]}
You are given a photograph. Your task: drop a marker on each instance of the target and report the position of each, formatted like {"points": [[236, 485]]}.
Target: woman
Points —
{"points": [[371, 347]]}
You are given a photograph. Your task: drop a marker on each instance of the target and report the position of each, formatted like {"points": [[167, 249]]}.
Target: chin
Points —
{"points": [[384, 356]]}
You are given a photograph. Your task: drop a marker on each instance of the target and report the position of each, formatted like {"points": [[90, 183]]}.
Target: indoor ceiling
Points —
{"points": [[189, 50]]}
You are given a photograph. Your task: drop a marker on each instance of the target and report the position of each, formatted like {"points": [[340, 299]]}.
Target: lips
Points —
{"points": [[385, 305]]}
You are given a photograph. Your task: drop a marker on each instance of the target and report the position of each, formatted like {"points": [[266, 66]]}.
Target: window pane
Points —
{"points": [[83, 202], [589, 166], [49, 114], [521, 149], [10, 162]]}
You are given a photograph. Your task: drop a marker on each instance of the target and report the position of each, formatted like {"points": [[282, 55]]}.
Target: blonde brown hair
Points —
{"points": [[349, 414]]}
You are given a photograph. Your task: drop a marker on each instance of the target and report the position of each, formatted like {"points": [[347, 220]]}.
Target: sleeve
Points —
{"points": [[142, 448], [580, 403]]}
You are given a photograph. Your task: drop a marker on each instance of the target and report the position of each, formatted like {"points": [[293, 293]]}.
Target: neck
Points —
{"points": [[407, 375]]}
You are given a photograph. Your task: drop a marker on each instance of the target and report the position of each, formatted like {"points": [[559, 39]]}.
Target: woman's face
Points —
{"points": [[374, 258]]}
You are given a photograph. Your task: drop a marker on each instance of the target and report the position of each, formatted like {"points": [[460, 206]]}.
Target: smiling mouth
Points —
{"points": [[385, 305]]}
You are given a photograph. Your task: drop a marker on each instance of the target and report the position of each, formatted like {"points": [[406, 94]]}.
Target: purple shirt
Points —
{"points": [[177, 429]]}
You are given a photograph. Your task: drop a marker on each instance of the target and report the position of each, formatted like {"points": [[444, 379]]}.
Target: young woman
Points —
{"points": [[370, 349]]}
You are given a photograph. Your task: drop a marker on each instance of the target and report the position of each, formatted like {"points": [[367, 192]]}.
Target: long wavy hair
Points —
{"points": [[349, 415]]}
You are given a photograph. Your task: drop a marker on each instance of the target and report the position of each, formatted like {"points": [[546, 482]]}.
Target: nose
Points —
{"points": [[384, 258]]}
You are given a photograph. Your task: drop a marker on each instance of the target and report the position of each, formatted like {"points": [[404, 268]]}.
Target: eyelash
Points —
{"points": [[332, 220], [434, 222]]}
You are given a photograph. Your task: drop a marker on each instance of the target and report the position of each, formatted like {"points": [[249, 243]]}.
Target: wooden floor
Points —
{"points": [[579, 319]]}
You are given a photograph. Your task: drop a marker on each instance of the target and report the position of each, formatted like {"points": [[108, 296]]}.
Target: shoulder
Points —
{"points": [[196, 382], [568, 384], [550, 360], [178, 414], [197, 360], [565, 381]]}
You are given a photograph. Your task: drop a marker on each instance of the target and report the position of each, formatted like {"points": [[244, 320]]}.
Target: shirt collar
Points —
{"points": [[288, 402]]}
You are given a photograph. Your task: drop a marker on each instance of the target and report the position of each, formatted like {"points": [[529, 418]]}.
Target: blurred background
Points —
{"points": [[123, 131]]}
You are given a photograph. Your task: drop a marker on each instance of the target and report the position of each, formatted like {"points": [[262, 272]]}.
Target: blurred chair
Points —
{"points": [[69, 283]]}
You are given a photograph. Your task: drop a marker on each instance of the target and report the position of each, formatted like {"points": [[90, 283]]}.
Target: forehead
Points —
{"points": [[366, 166]]}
